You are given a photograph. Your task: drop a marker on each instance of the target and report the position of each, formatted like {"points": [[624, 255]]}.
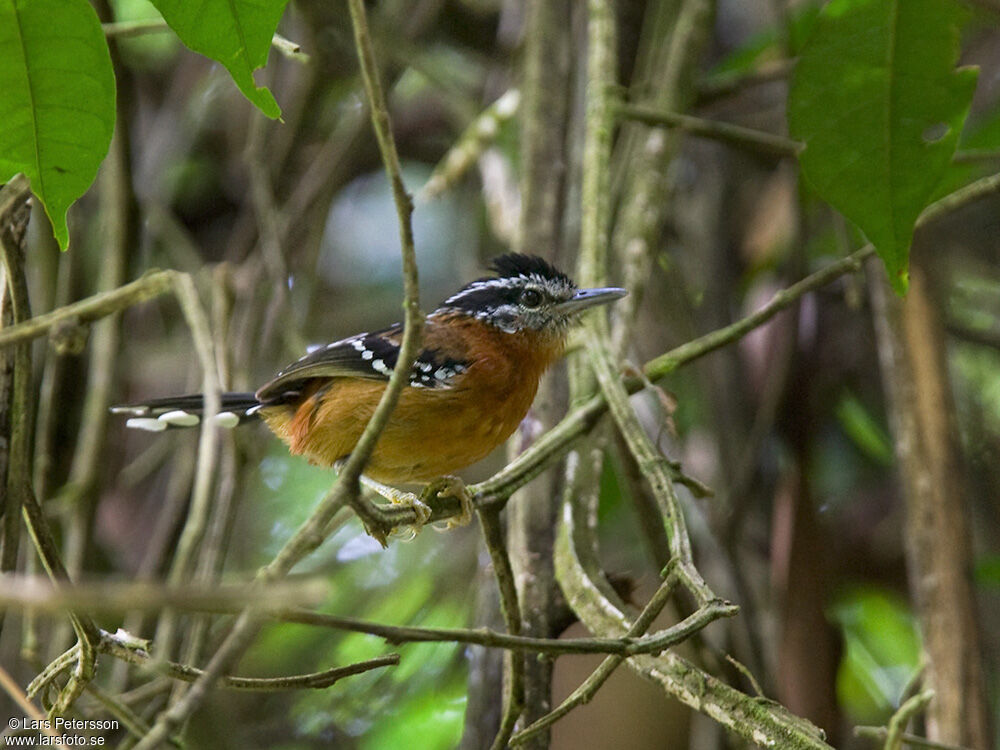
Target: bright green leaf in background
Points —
{"points": [[879, 104], [57, 100], [881, 654], [236, 33], [864, 429]]}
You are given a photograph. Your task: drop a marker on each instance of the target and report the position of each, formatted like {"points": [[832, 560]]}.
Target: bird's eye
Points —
{"points": [[531, 298]]}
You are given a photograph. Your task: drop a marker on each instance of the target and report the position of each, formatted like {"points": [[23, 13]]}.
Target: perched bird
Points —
{"points": [[484, 350]]}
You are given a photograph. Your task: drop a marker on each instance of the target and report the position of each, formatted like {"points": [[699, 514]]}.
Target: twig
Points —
{"points": [[120, 29], [753, 720], [186, 673], [599, 676], [149, 285], [699, 347], [897, 723], [624, 646], [208, 445], [895, 736], [134, 651], [718, 86], [470, 145], [135, 724], [513, 699], [41, 594], [87, 633], [16, 406], [973, 155], [747, 674], [880, 734], [78, 493], [749, 139]]}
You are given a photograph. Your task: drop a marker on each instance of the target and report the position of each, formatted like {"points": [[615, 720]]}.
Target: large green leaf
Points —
{"points": [[880, 105], [57, 100], [236, 33]]}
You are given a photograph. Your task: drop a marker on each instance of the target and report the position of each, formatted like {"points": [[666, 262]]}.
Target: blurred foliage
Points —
{"points": [[144, 51], [765, 45], [881, 655], [870, 436], [421, 583]]}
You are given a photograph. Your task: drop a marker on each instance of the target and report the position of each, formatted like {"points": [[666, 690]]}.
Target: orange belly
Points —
{"points": [[432, 432]]}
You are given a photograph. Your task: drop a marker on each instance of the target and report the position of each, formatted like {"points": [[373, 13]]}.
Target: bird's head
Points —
{"points": [[527, 294]]}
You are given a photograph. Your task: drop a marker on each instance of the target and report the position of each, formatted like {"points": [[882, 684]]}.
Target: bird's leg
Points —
{"points": [[400, 497], [449, 486]]}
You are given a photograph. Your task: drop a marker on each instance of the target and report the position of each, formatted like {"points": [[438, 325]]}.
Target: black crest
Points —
{"points": [[513, 265]]}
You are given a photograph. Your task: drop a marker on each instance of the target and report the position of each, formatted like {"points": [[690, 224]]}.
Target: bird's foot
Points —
{"points": [[403, 499], [449, 486]]}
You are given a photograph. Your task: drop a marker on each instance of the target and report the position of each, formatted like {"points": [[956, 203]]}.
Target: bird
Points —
{"points": [[484, 350]]}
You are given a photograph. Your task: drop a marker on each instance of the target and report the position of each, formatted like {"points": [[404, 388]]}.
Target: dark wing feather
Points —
{"points": [[366, 355]]}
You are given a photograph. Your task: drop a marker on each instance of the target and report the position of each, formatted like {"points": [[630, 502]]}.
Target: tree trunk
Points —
{"points": [[937, 544]]}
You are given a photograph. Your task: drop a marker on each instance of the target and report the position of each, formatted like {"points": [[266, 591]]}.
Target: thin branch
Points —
{"points": [[757, 721], [599, 676], [716, 87], [43, 595], [757, 141], [625, 645], [149, 285], [471, 144], [699, 347], [513, 699], [208, 447], [135, 651], [880, 734], [16, 404], [897, 723], [120, 29]]}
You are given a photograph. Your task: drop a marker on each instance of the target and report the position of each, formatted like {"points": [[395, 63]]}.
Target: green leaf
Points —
{"points": [[862, 427], [236, 33], [57, 100], [881, 654], [880, 106]]}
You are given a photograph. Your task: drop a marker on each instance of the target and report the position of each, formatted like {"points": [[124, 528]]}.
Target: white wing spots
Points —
{"points": [[146, 423], [179, 418], [358, 344], [226, 419], [367, 354], [254, 409], [380, 367]]}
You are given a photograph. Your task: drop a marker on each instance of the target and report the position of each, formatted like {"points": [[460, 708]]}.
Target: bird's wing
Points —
{"points": [[371, 356]]}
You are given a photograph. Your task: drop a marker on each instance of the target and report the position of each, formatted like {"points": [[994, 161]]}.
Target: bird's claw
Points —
{"points": [[422, 511], [449, 486]]}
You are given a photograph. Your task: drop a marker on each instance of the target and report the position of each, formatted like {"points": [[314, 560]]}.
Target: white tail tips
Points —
{"points": [[179, 418], [226, 419], [146, 423]]}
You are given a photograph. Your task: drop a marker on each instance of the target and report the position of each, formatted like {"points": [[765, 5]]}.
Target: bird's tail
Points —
{"points": [[160, 414]]}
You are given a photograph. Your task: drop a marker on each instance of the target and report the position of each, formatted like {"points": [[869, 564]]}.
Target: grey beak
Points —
{"points": [[585, 298]]}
